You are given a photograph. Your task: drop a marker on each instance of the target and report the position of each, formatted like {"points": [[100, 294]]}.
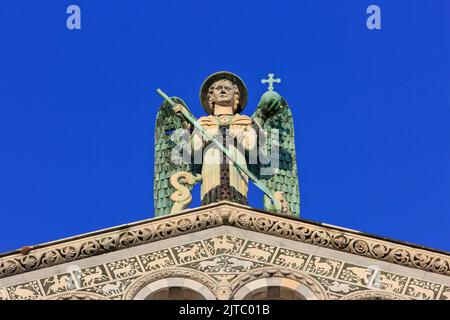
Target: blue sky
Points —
{"points": [[371, 107]]}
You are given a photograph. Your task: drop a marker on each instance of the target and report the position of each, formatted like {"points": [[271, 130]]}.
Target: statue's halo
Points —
{"points": [[219, 76]]}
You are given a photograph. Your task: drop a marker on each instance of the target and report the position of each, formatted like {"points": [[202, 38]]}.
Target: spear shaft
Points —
{"points": [[189, 117]]}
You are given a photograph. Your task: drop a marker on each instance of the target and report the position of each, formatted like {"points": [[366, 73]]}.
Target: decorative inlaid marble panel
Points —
{"points": [[226, 260]]}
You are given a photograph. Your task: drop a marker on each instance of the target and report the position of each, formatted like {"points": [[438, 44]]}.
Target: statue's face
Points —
{"points": [[223, 93]]}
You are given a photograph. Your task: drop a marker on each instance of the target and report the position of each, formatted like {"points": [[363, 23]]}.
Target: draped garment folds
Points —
{"points": [[221, 180]]}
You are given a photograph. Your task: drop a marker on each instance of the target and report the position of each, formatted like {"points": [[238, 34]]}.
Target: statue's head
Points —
{"points": [[223, 89], [223, 93]]}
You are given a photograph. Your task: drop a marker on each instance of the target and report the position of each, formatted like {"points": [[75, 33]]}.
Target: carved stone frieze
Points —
{"points": [[284, 273], [147, 279], [76, 296], [108, 241], [225, 214], [225, 262], [373, 295]]}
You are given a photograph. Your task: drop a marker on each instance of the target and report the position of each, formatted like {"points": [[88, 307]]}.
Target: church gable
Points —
{"points": [[235, 254]]}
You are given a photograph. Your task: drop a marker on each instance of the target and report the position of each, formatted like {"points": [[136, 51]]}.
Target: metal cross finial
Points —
{"points": [[270, 81]]}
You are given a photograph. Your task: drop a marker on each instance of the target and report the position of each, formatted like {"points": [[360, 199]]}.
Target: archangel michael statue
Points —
{"points": [[220, 148]]}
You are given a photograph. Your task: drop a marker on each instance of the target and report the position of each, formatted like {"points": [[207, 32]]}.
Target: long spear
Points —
{"points": [[189, 117]]}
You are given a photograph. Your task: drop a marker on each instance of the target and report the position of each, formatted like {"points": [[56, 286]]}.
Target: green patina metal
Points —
{"points": [[286, 177], [189, 117], [271, 116]]}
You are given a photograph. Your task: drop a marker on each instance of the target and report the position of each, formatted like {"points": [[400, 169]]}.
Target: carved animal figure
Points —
{"points": [[422, 293], [222, 244], [294, 262], [209, 264], [24, 293], [124, 271], [361, 273], [390, 284], [323, 268], [158, 263], [235, 263], [258, 254], [339, 287], [58, 284], [110, 289], [97, 275], [190, 253]]}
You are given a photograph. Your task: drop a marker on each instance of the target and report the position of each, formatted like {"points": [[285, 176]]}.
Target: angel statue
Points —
{"points": [[225, 149]]}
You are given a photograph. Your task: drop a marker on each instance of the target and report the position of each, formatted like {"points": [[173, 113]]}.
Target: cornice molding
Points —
{"points": [[215, 215]]}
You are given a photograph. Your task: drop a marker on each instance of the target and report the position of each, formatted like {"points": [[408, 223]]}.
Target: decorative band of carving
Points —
{"points": [[76, 296], [284, 273], [342, 241], [217, 215], [143, 281], [109, 241], [374, 295]]}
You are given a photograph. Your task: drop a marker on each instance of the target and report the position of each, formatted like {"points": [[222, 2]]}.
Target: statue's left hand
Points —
{"points": [[271, 102]]}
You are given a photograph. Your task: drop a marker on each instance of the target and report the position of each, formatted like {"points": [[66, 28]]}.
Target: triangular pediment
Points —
{"points": [[224, 243]]}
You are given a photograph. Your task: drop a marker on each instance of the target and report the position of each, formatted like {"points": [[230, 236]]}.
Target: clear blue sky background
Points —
{"points": [[371, 108]]}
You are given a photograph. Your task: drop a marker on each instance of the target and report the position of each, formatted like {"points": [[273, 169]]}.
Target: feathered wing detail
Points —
{"points": [[285, 176], [166, 143]]}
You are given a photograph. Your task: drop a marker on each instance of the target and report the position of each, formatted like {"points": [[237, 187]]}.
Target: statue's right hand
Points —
{"points": [[178, 109]]}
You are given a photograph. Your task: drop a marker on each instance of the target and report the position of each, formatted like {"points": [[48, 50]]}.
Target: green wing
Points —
{"points": [[285, 177], [166, 124]]}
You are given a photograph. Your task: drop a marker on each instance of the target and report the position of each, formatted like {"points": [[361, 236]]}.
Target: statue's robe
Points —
{"points": [[221, 180]]}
